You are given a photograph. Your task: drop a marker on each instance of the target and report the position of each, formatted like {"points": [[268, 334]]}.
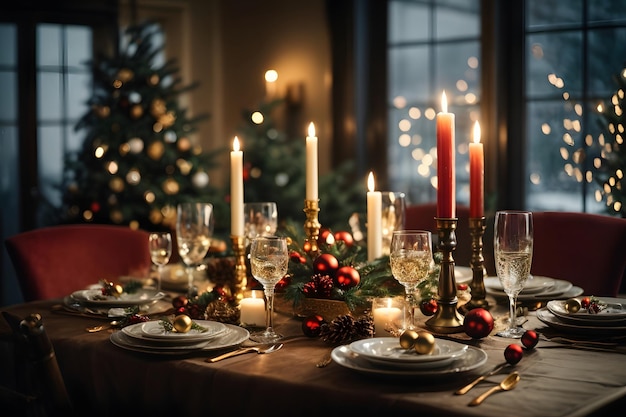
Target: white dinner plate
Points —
{"points": [[560, 289], [463, 274], [472, 359], [534, 284], [94, 297], [233, 336], [155, 330], [545, 316], [615, 312], [388, 349]]}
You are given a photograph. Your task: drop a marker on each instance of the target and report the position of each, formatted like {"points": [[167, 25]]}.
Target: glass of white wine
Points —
{"points": [[194, 230], [269, 259], [513, 250], [411, 259], [260, 219], [160, 244]]}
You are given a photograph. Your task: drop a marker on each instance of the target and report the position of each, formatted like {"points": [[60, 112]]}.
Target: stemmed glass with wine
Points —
{"points": [[160, 244], [411, 259], [269, 259], [194, 230], [513, 250]]}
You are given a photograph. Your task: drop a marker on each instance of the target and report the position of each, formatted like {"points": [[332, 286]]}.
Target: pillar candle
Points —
{"points": [[446, 185], [385, 317], [253, 310], [477, 175], [374, 221], [236, 190], [311, 164]]}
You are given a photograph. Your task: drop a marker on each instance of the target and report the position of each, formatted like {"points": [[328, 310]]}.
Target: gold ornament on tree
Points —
{"points": [[156, 150], [170, 186]]}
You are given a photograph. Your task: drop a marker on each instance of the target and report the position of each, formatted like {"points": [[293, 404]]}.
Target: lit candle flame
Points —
{"points": [[444, 102], [311, 130], [271, 76], [370, 182], [476, 132], [236, 144]]}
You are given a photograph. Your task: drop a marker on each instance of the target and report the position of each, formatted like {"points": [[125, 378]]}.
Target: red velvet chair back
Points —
{"points": [[587, 249], [55, 261]]}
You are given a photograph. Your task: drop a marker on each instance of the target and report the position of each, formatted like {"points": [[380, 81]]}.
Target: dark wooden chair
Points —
{"points": [[32, 383], [586, 249], [55, 261]]}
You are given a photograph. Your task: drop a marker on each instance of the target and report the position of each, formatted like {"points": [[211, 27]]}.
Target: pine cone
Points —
{"points": [[222, 312], [221, 271], [320, 286], [338, 331], [364, 327]]}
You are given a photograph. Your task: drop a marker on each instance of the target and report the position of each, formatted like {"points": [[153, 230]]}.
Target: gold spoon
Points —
{"points": [[95, 329], [507, 384]]}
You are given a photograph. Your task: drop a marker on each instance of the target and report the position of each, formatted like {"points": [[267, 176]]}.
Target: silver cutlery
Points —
{"points": [[241, 351], [507, 384], [465, 389]]}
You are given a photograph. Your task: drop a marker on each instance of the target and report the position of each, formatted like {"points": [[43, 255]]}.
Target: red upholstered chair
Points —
{"points": [[55, 261], [422, 217], [587, 249]]}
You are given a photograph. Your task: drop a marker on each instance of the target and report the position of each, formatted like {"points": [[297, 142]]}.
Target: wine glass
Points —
{"points": [[411, 259], [260, 219], [160, 244], [194, 229], [513, 250], [269, 258]]}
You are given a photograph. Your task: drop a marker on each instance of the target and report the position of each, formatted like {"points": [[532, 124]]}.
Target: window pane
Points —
{"points": [[50, 162], [8, 54], [49, 98], [456, 19], [408, 22], [553, 12], [457, 71], [409, 74], [605, 59], [554, 64], [49, 45], [606, 10], [78, 46], [78, 93], [8, 98]]}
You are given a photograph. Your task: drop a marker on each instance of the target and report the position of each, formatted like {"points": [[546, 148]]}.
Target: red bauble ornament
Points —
{"points": [[429, 307], [461, 287], [347, 277], [312, 325], [585, 302], [283, 283], [513, 353], [478, 323], [297, 258], [95, 207], [345, 237], [180, 301], [323, 237], [530, 339], [326, 264]]}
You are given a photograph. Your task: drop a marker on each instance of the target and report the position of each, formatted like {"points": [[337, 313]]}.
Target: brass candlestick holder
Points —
{"points": [[447, 319], [241, 277], [477, 286], [311, 225]]}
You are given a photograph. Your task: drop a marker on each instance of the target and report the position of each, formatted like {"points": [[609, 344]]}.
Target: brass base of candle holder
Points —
{"points": [[447, 319], [311, 226], [477, 286], [241, 276]]}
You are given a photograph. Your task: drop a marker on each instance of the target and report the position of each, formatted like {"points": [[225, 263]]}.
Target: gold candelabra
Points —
{"points": [[447, 319], [477, 286], [241, 277], [311, 225]]}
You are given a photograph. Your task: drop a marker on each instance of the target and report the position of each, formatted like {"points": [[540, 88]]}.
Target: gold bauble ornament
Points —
{"points": [[572, 305], [171, 187], [184, 144], [425, 343], [182, 323], [156, 150], [136, 111], [157, 108], [167, 119], [154, 79], [125, 75], [408, 339]]}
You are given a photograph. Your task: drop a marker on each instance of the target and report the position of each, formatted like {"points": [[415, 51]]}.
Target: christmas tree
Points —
{"points": [[274, 170], [610, 172], [138, 160]]}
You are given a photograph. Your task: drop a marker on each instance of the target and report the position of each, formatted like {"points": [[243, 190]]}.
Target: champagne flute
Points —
{"points": [[513, 250], [194, 229], [269, 258], [160, 244], [411, 260], [260, 219]]}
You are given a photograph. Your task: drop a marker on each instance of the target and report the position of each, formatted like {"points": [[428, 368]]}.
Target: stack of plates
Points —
{"points": [[94, 297], [610, 321], [536, 288], [385, 356], [151, 337]]}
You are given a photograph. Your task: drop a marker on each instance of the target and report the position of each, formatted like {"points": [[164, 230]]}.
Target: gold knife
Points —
{"points": [[471, 385]]}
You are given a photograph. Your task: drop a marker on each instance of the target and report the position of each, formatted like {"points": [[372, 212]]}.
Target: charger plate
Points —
{"points": [[546, 317]]}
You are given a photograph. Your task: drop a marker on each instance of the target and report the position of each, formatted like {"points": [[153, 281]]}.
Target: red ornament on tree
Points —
{"points": [[345, 237], [429, 307], [283, 283], [312, 325], [323, 237], [478, 323], [530, 339], [326, 264], [513, 354], [347, 277], [95, 207]]}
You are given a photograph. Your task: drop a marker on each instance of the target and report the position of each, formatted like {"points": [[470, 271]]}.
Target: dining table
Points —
{"points": [[558, 379]]}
